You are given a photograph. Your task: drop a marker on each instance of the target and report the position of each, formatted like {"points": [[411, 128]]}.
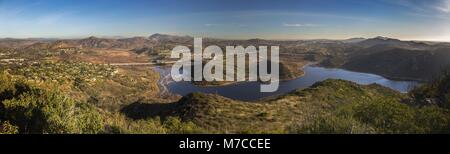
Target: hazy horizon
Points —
{"points": [[275, 20]]}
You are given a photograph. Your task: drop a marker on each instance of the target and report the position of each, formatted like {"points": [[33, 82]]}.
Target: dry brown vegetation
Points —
{"points": [[107, 56]]}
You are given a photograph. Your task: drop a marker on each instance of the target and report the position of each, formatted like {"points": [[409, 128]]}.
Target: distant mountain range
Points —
{"points": [[394, 58], [139, 42]]}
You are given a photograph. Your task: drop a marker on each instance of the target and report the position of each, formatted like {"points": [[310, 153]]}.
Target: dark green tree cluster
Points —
{"points": [[436, 92]]}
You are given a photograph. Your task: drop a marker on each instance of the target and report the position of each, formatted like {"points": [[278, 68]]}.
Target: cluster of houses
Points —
{"points": [[67, 71]]}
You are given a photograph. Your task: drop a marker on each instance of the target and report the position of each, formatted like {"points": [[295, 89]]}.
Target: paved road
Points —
{"points": [[138, 64], [131, 64]]}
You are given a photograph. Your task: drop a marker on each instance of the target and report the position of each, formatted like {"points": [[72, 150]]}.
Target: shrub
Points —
{"points": [[119, 124], [432, 119], [435, 92], [380, 116], [149, 126], [8, 128], [334, 125], [387, 116], [41, 111], [174, 125]]}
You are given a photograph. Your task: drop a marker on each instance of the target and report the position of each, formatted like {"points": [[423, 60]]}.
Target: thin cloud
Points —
{"points": [[427, 8], [263, 13], [445, 7], [211, 25], [433, 9], [226, 25], [411, 4], [299, 25]]}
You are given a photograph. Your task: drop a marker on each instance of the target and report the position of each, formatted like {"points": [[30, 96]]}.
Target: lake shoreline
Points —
{"points": [[249, 91]]}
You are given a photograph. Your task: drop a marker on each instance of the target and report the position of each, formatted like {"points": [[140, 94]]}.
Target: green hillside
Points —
{"points": [[331, 106]]}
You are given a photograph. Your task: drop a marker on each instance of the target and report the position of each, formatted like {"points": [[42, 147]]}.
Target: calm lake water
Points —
{"points": [[248, 91]]}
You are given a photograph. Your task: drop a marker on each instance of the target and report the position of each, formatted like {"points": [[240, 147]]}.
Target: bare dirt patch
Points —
{"points": [[107, 56]]}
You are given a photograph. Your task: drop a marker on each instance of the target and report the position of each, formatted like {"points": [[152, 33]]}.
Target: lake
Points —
{"points": [[249, 91]]}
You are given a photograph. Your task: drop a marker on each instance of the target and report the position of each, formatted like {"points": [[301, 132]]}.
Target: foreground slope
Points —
{"points": [[217, 113], [331, 106]]}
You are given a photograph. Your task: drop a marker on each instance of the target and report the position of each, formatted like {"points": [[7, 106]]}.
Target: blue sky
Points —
{"points": [[241, 19]]}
